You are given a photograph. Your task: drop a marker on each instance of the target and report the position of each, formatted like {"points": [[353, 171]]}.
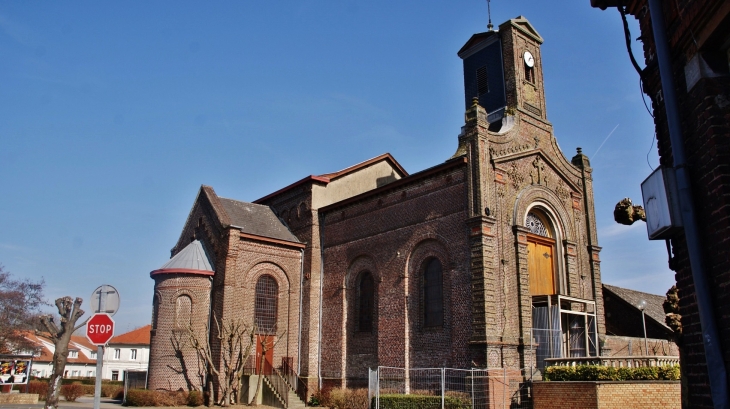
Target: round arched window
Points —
{"points": [[265, 311]]}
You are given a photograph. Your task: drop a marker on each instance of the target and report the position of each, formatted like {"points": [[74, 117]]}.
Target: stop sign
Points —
{"points": [[100, 329]]}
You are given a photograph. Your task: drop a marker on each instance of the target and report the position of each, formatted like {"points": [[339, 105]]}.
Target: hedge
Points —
{"points": [[83, 381], [145, 397], [421, 402], [72, 392], [607, 373]]}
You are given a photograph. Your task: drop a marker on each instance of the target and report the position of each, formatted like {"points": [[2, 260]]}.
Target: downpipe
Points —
{"points": [[713, 353]]}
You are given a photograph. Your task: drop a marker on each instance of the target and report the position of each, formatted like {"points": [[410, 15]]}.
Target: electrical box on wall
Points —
{"points": [[661, 204]]}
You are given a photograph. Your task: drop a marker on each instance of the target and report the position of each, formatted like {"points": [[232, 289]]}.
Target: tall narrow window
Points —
{"points": [[183, 311], [433, 305], [366, 298], [265, 311]]}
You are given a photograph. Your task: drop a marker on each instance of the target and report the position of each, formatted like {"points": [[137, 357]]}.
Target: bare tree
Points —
{"points": [[20, 303], [267, 341], [70, 311], [235, 340]]}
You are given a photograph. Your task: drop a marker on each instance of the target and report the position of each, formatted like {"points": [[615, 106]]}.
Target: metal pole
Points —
{"points": [[713, 354], [646, 343], [377, 391], [97, 386], [443, 386]]}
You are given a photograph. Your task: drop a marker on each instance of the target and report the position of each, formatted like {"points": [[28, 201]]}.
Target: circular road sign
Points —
{"points": [[100, 329], [105, 299]]}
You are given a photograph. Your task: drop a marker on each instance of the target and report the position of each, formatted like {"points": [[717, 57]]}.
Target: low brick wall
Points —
{"points": [[604, 395], [19, 398]]}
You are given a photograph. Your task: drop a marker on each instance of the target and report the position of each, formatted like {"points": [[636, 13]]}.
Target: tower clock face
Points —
{"points": [[529, 59]]}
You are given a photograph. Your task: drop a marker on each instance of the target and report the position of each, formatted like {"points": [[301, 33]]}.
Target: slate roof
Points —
{"points": [[654, 308], [139, 336], [192, 258], [256, 219]]}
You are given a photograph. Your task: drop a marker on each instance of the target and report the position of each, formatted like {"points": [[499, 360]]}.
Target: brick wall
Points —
{"points": [[173, 363], [390, 235], [605, 395], [696, 28]]}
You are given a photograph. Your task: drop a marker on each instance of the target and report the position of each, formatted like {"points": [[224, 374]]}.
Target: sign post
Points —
{"points": [[105, 303], [99, 330]]}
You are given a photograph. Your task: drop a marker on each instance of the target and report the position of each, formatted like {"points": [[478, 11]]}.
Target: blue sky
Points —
{"points": [[112, 114]]}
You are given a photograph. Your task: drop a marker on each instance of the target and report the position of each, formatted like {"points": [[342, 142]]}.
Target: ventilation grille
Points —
{"points": [[482, 80]]}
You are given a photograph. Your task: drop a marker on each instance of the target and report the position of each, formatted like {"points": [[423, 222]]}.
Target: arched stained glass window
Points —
{"points": [[265, 309], [536, 225], [183, 311], [433, 305], [366, 302]]}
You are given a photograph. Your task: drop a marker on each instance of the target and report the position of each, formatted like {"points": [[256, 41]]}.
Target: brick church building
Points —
{"points": [[489, 259]]}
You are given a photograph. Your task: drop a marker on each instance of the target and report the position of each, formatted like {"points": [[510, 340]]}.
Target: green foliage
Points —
{"points": [[313, 401], [421, 402], [607, 373], [72, 392]]}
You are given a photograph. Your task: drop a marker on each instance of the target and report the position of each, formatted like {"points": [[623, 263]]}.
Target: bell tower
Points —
{"points": [[523, 78], [503, 70]]}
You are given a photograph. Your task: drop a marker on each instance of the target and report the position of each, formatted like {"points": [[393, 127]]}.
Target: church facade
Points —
{"points": [[489, 259]]}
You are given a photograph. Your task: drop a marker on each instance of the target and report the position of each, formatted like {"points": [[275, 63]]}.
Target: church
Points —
{"points": [[489, 259]]}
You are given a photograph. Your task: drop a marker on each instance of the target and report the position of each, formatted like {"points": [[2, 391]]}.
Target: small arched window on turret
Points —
{"points": [[183, 311]]}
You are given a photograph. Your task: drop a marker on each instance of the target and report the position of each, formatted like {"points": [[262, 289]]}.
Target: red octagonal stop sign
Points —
{"points": [[100, 329]]}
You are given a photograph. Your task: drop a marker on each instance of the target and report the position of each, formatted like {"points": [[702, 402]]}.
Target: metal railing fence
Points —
{"points": [[449, 388]]}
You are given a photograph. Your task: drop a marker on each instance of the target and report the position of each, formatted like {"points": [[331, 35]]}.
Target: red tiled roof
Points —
{"points": [[139, 336], [47, 356]]}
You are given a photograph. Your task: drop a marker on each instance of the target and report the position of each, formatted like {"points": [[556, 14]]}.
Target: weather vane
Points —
{"points": [[489, 14]]}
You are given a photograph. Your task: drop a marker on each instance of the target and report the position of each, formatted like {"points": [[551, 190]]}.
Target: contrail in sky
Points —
{"points": [[604, 141]]}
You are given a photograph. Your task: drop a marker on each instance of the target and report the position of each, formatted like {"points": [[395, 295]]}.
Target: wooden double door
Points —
{"points": [[541, 264]]}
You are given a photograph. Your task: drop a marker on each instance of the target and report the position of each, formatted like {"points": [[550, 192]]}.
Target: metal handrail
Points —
{"points": [[296, 383]]}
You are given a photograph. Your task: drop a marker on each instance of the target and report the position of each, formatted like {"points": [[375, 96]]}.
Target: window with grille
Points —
{"points": [[366, 301], [265, 309], [433, 306], [536, 225], [482, 80]]}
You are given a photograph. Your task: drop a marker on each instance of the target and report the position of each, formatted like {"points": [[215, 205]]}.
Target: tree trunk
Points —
{"points": [[60, 355]]}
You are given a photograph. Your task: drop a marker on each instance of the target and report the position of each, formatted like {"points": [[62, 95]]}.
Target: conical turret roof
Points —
{"points": [[193, 259]]}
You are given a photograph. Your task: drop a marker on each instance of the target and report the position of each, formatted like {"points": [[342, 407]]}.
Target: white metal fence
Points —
{"points": [[448, 388]]}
